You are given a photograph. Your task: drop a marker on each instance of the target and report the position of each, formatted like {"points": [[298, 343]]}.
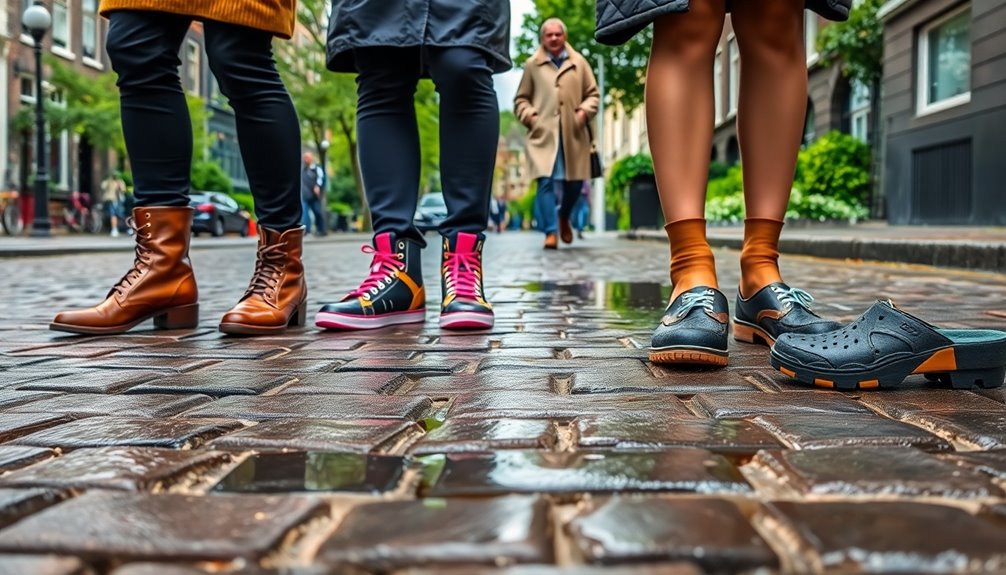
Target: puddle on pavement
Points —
{"points": [[313, 471], [640, 302]]}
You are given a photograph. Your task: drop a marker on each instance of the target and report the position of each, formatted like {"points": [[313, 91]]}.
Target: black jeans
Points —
{"points": [[143, 48], [389, 136]]}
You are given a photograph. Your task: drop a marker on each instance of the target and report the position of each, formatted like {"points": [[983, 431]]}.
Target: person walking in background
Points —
{"points": [[391, 44], [498, 213], [770, 120], [113, 190], [555, 101], [143, 41], [312, 194], [581, 211]]}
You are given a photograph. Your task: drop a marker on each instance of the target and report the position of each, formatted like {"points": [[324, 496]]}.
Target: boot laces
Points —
{"points": [[384, 267], [792, 296], [268, 267], [141, 262], [463, 274], [689, 301]]}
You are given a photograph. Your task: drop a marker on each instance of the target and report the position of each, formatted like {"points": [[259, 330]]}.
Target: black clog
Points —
{"points": [[886, 345], [777, 309], [693, 329]]}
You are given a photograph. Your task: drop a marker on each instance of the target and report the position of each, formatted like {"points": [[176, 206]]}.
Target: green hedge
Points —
{"points": [[832, 182]]}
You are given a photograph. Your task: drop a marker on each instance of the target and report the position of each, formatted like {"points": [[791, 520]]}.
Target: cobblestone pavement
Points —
{"points": [[543, 446]]}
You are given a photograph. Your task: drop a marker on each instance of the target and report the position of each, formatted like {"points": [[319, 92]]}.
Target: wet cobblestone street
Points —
{"points": [[548, 444]]}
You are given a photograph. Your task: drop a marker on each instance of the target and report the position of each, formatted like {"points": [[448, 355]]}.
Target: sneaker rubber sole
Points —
{"points": [[684, 355], [328, 320], [467, 320]]}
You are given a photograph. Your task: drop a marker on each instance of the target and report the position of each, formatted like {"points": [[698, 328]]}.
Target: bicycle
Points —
{"points": [[78, 216], [10, 213]]}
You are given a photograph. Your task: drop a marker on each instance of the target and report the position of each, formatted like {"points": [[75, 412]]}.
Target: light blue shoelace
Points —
{"points": [[793, 296], [693, 300]]}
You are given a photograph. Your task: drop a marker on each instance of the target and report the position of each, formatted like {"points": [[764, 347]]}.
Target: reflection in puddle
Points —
{"points": [[313, 471], [641, 302]]}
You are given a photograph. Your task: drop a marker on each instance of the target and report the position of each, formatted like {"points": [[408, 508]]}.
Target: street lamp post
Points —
{"points": [[36, 20]]}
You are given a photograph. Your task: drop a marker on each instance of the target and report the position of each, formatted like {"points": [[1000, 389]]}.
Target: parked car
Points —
{"points": [[431, 211], [218, 214]]}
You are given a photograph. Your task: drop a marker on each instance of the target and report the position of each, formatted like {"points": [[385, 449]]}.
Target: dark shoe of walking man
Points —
{"points": [[143, 41]]}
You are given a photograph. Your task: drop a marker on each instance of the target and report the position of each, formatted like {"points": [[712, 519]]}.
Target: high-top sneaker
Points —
{"points": [[393, 293], [464, 305]]}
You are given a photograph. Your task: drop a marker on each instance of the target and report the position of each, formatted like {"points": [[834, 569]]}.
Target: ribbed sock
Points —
{"points": [[760, 255], [692, 262]]}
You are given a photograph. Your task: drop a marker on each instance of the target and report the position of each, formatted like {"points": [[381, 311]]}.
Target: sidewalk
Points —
{"points": [[548, 445], [70, 244], [976, 248]]}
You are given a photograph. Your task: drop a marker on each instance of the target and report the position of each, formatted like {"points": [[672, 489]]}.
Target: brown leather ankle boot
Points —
{"points": [[160, 284], [277, 295]]}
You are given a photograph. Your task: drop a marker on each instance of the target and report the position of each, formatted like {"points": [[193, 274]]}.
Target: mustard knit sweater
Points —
{"points": [[276, 16]]}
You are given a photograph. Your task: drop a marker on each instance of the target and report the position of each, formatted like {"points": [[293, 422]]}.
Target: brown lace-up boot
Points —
{"points": [[277, 295], [160, 284]]}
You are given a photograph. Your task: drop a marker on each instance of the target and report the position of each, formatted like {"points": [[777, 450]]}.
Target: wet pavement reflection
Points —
{"points": [[313, 471]]}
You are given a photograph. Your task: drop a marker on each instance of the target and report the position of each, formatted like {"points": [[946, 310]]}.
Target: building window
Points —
{"points": [[89, 29], [718, 86], [734, 81], [192, 67], [60, 24], [945, 62], [27, 84], [810, 36], [25, 4], [859, 111]]}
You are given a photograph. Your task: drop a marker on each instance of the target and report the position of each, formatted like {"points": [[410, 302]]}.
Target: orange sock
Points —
{"points": [[692, 262], [760, 255]]}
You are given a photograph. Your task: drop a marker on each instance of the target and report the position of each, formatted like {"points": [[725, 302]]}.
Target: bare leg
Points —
{"points": [[679, 105], [773, 103], [679, 115]]}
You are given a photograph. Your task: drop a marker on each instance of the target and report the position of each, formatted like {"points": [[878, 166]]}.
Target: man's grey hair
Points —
{"points": [[546, 23]]}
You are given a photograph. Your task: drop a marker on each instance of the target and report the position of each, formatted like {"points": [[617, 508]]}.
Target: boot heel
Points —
{"points": [[299, 317], [743, 333], [181, 317], [972, 378]]}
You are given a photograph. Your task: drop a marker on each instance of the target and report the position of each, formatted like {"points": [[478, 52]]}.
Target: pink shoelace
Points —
{"points": [[384, 266], [463, 271]]}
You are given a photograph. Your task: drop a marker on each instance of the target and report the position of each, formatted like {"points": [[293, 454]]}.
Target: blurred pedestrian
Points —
{"points": [[556, 100], [312, 194], [498, 213], [391, 44], [581, 210], [770, 123], [113, 191], [143, 41]]}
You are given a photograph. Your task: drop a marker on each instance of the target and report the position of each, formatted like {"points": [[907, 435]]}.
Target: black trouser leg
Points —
{"points": [[571, 192], [143, 48], [268, 129], [469, 135], [388, 137]]}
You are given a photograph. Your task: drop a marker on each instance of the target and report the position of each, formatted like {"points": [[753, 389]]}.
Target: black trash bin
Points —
{"points": [[644, 204]]}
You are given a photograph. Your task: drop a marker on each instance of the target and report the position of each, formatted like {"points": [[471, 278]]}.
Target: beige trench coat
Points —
{"points": [[548, 98]]}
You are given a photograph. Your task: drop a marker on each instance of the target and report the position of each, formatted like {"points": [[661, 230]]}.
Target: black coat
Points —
{"points": [[481, 24], [619, 20]]}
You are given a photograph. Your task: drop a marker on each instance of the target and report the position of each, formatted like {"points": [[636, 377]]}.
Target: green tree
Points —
{"points": [[91, 107], [857, 45], [325, 102], [624, 66]]}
